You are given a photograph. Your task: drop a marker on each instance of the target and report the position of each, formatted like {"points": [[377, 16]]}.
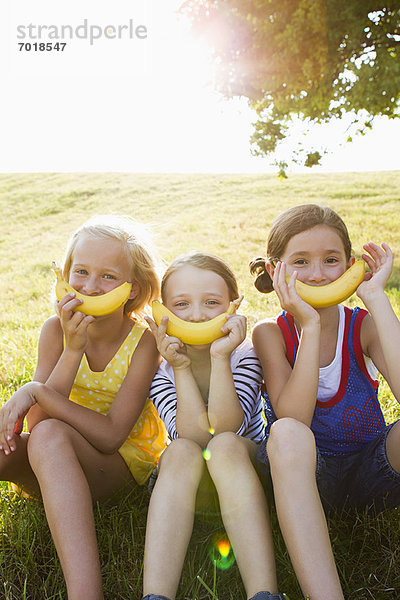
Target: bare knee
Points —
{"points": [[224, 444], [227, 448], [182, 456], [290, 443], [45, 438]]}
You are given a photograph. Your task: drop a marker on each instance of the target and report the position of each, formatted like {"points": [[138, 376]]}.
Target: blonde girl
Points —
{"points": [[320, 367], [209, 398], [93, 430]]}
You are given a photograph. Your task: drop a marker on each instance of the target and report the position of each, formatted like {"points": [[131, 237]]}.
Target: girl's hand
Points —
{"points": [[12, 414], [380, 261], [170, 348], [289, 299], [235, 329], [74, 324]]}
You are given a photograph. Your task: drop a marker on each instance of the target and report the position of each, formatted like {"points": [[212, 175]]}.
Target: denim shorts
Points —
{"points": [[360, 480], [357, 481]]}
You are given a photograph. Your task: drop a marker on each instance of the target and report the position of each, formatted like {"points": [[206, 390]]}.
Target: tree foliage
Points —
{"points": [[315, 59]]}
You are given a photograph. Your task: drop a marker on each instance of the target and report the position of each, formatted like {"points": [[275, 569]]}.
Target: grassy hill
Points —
{"points": [[226, 214]]}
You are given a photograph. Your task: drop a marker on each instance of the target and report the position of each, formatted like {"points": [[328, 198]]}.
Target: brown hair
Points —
{"points": [[139, 249], [288, 224], [209, 262]]}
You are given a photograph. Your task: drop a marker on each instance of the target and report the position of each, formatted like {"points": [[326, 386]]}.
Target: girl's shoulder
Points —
{"points": [[244, 349], [266, 324], [139, 339], [267, 327], [133, 333], [267, 336], [52, 328]]}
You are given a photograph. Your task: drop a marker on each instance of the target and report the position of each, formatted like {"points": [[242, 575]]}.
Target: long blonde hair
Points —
{"points": [[140, 252]]}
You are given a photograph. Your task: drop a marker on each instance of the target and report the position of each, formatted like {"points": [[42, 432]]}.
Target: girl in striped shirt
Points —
{"points": [[209, 398]]}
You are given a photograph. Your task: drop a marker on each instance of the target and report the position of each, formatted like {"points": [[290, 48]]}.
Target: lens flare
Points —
{"points": [[224, 548], [206, 454], [211, 430], [220, 552]]}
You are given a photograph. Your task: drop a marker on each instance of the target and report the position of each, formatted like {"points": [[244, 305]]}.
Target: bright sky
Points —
{"points": [[136, 105]]}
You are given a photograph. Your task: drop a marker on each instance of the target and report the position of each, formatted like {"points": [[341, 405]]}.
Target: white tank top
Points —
{"points": [[329, 376]]}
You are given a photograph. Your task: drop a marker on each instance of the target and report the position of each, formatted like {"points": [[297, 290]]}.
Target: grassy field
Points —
{"points": [[226, 214]]}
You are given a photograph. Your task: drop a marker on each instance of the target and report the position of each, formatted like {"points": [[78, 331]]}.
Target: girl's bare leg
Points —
{"points": [[16, 468], [170, 517], [71, 474], [244, 510], [292, 456]]}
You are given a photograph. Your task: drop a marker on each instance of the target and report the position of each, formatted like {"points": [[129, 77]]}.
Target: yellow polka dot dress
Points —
{"points": [[97, 390]]}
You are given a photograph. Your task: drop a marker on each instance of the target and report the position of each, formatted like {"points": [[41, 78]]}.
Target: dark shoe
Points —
{"points": [[268, 596], [154, 597]]}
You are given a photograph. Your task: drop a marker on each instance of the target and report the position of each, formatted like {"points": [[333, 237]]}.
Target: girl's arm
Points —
{"points": [[49, 351], [105, 432], [380, 332], [292, 392], [191, 419], [225, 412], [58, 361]]}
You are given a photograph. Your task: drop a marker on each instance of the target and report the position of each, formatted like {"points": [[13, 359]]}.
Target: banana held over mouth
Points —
{"points": [[193, 333], [97, 306], [335, 292]]}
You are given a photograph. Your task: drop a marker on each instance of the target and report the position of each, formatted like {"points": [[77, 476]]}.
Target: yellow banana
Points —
{"points": [[335, 292], [193, 333], [96, 306]]}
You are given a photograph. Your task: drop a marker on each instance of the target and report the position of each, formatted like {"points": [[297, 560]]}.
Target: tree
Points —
{"points": [[312, 59]]}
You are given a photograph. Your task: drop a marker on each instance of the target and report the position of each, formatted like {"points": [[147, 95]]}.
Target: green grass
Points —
{"points": [[230, 216]]}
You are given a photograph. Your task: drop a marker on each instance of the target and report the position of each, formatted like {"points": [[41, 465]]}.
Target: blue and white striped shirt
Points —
{"points": [[247, 378]]}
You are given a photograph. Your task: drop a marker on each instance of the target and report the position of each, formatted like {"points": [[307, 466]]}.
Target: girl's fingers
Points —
{"points": [[5, 436], [83, 320], [159, 331], [234, 321], [13, 418], [165, 343], [66, 299], [162, 328], [174, 346], [387, 249], [172, 342], [292, 283], [68, 304], [5, 448], [378, 252], [277, 279], [378, 256], [284, 289], [151, 324], [370, 262], [78, 317]]}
